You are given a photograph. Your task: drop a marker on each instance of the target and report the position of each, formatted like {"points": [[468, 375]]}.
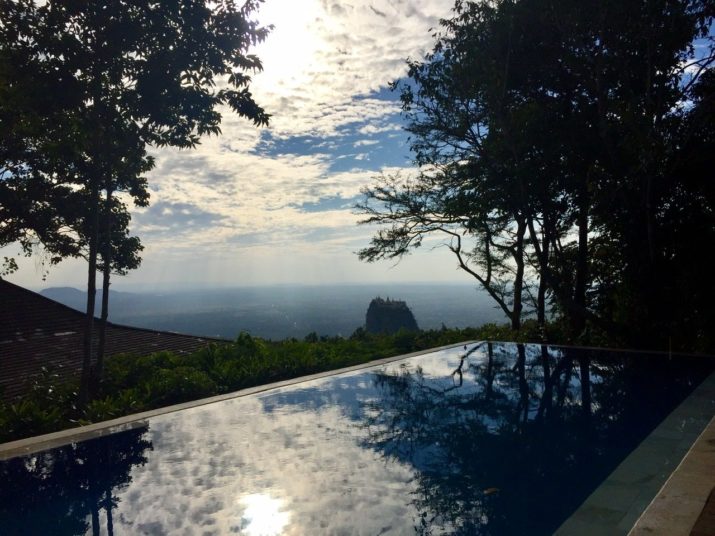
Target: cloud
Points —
{"points": [[362, 143], [339, 52], [326, 68], [167, 217], [328, 203], [373, 128], [291, 459]]}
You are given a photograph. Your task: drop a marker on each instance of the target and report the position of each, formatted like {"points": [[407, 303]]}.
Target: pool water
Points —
{"points": [[485, 439]]}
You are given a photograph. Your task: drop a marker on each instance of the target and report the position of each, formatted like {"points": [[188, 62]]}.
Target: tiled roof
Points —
{"points": [[37, 332]]}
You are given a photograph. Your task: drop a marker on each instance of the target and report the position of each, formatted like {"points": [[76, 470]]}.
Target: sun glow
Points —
{"points": [[290, 52], [262, 515]]}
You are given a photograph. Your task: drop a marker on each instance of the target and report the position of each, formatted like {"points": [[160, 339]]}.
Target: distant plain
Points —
{"points": [[278, 312]]}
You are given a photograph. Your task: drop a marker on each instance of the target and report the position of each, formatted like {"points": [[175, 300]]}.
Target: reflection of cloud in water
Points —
{"points": [[303, 453], [349, 392], [296, 452]]}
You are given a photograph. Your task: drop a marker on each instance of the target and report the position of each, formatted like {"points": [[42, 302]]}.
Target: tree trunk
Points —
{"points": [[519, 276], [106, 274], [94, 497], [95, 519], [541, 297], [86, 378], [109, 506], [563, 387], [547, 395], [523, 405], [577, 317], [541, 305], [95, 150], [490, 371]]}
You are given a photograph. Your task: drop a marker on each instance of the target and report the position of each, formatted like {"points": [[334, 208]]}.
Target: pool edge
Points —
{"points": [[30, 445], [623, 500], [687, 488]]}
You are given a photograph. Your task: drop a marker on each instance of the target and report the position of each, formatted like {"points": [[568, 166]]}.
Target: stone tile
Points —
{"points": [[615, 496], [591, 520], [629, 475], [681, 500], [705, 525], [673, 516], [637, 507]]}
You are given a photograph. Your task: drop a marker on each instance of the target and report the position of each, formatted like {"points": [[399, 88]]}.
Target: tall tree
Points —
{"points": [[570, 113], [451, 101], [142, 73]]}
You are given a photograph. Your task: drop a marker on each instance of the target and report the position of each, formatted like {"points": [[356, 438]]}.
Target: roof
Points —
{"points": [[37, 332]]}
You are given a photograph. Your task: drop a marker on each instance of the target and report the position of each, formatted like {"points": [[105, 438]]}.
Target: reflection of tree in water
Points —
{"points": [[523, 440], [64, 491]]}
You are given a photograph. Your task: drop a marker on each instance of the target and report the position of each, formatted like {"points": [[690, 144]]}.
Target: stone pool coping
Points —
{"points": [[662, 486], [30, 445], [679, 503]]}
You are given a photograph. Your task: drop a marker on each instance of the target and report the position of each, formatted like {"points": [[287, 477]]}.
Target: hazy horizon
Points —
{"points": [[179, 288], [282, 311]]}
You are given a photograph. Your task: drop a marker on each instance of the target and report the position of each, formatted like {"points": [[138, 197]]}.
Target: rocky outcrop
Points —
{"points": [[389, 316]]}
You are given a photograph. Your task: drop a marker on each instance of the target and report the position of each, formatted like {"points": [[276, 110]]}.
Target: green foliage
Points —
{"points": [[46, 407], [173, 385], [27, 417], [8, 266]]}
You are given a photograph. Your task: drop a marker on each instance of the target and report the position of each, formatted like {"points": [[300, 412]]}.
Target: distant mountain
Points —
{"points": [[389, 316], [77, 299], [71, 297], [281, 312]]}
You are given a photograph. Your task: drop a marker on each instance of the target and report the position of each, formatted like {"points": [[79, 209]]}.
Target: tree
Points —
{"points": [[484, 242], [461, 113], [141, 73], [561, 119], [39, 159], [119, 253]]}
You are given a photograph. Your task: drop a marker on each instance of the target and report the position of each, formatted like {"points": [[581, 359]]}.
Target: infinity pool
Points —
{"points": [[481, 439]]}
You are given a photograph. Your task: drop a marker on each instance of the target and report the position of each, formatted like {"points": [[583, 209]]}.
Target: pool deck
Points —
{"points": [[675, 464], [680, 506]]}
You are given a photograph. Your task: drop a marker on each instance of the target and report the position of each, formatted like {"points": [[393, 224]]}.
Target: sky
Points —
{"points": [[262, 206]]}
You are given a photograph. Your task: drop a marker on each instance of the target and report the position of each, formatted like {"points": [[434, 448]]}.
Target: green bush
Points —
{"points": [[122, 403], [134, 383], [28, 417], [174, 385]]}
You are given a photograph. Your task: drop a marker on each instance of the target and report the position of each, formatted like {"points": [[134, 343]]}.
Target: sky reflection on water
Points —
{"points": [[503, 440]]}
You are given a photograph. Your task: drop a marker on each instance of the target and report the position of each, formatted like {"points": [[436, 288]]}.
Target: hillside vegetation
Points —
{"points": [[136, 383]]}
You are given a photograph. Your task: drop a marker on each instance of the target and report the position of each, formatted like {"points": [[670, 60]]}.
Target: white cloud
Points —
{"points": [[291, 459], [378, 128], [322, 54], [322, 65], [362, 143]]}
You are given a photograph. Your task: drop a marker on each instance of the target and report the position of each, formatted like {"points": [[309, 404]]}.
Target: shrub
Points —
{"points": [[174, 385], [134, 383], [28, 417]]}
